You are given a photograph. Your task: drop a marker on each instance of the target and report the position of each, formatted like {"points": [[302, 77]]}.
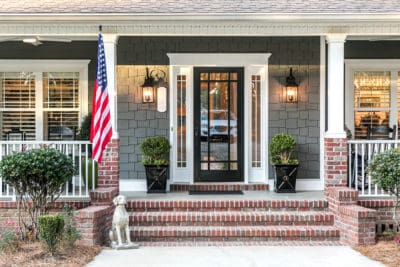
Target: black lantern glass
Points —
{"points": [[291, 88]]}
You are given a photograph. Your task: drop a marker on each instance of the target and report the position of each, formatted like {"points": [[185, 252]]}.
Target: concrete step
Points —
{"points": [[226, 205], [236, 233], [219, 187], [230, 218]]}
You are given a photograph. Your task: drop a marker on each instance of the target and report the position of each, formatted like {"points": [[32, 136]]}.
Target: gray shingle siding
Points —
{"points": [[301, 120]]}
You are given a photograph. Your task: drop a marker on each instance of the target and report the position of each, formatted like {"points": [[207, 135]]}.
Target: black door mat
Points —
{"points": [[215, 192]]}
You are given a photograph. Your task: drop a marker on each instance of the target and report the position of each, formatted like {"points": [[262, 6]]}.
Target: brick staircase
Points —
{"points": [[191, 222]]}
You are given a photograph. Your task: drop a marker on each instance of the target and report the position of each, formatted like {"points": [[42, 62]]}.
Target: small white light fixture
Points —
{"points": [[30, 40], [162, 99]]}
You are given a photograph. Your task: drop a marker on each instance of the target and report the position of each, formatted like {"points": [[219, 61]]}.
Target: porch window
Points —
{"points": [[372, 95], [44, 105]]}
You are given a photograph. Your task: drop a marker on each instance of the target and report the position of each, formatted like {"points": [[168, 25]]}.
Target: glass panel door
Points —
{"points": [[218, 124]]}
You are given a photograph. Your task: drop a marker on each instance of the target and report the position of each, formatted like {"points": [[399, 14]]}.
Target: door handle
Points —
{"points": [[196, 131]]}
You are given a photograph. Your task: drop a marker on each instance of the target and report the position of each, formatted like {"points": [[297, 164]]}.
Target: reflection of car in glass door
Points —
{"points": [[221, 126]]}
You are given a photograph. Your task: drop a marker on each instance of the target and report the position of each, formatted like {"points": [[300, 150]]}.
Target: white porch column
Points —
{"points": [[335, 86], [110, 48]]}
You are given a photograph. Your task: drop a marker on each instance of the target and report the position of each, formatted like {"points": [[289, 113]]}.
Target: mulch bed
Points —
{"points": [[32, 254], [387, 252]]}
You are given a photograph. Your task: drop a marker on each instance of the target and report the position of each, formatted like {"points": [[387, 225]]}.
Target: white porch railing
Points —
{"points": [[78, 187], [360, 154]]}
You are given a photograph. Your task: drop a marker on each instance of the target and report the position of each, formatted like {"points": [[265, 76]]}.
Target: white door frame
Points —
{"points": [[253, 64]]}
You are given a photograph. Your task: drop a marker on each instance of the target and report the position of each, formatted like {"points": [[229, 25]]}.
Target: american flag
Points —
{"points": [[101, 129]]}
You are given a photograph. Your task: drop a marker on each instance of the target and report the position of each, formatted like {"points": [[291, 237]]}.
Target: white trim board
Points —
{"points": [[253, 64], [302, 185]]}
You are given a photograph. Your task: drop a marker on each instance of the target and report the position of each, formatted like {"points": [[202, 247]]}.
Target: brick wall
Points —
{"points": [[335, 162], [356, 223], [137, 120], [109, 166]]}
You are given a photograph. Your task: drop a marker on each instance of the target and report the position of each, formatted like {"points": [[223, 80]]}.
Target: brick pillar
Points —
{"points": [[109, 167], [335, 162]]}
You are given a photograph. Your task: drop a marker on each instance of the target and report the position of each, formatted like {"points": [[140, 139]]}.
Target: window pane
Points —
{"points": [[17, 90], [371, 89], [181, 121], [60, 125], [364, 119], [61, 89], [256, 122], [19, 120]]}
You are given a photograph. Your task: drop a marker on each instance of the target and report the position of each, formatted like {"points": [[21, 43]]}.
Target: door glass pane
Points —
{"points": [[256, 121], [218, 121], [181, 121]]}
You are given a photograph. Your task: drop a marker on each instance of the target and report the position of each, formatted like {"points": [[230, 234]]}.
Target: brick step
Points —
{"points": [[227, 205], [237, 233], [230, 218], [219, 187], [240, 243]]}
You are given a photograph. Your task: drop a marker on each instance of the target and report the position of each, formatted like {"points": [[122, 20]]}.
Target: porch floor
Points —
{"points": [[248, 195]]}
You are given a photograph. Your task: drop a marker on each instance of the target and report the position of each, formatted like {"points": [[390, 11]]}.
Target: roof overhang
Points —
{"points": [[200, 24]]}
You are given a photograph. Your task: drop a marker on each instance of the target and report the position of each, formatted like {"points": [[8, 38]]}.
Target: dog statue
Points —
{"points": [[119, 234]]}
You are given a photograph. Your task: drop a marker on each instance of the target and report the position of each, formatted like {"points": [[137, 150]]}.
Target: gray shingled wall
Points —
{"points": [[136, 120]]}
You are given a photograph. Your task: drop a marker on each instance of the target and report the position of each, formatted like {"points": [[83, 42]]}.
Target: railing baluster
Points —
{"points": [[350, 170], [362, 168], [369, 176], [356, 167]]}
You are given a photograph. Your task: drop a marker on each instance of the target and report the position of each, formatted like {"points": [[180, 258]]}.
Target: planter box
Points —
{"points": [[156, 178], [285, 178]]}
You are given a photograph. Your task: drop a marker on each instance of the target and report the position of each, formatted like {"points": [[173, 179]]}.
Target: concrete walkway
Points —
{"points": [[286, 256]]}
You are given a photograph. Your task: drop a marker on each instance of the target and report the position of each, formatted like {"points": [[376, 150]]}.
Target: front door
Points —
{"points": [[218, 124]]}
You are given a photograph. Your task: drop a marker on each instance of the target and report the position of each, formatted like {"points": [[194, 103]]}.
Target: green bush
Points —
{"points": [[84, 130], [70, 234], [9, 237], [38, 176], [51, 230], [155, 150], [281, 149], [90, 172], [384, 170]]}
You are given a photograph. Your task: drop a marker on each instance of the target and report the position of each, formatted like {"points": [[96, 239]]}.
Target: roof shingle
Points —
{"points": [[199, 6]]}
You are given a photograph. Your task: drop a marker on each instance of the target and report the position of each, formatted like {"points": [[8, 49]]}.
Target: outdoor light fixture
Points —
{"points": [[148, 88], [155, 79], [291, 88]]}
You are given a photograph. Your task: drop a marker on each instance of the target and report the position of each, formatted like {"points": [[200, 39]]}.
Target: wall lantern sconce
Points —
{"points": [[291, 88], [148, 88], [155, 79]]}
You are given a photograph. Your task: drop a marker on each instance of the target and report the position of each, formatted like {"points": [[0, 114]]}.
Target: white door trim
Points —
{"points": [[253, 64]]}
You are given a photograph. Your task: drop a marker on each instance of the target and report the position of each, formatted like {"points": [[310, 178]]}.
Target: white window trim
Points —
{"points": [[251, 62], [52, 65], [352, 65]]}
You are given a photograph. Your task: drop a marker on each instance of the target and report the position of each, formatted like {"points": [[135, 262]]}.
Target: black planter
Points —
{"points": [[156, 177], [285, 178]]}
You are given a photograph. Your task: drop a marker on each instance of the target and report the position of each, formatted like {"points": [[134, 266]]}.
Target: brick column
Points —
{"points": [[109, 167], [335, 162]]}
